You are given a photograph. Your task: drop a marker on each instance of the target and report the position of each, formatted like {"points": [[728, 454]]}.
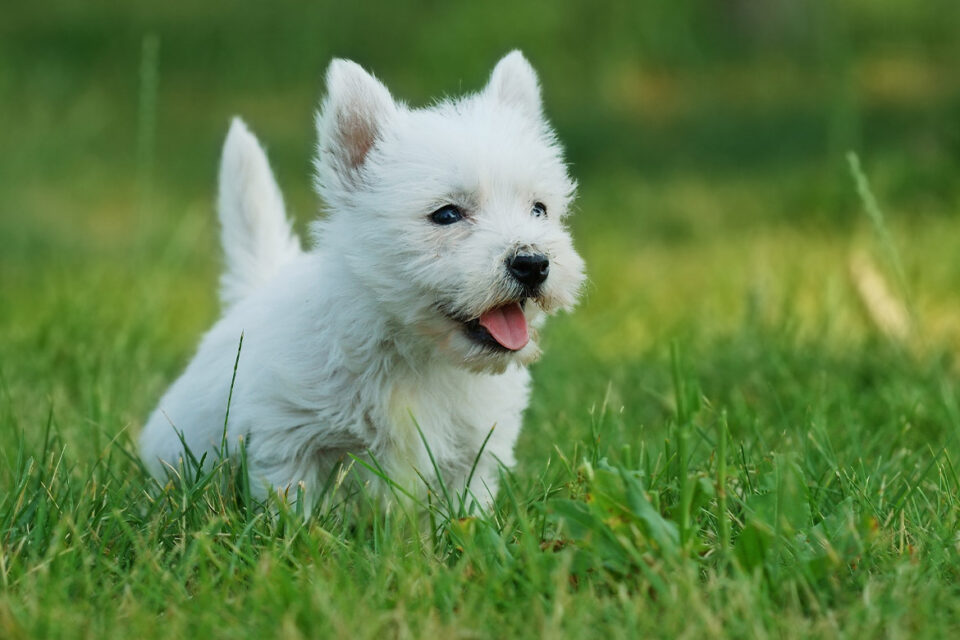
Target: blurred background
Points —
{"points": [[709, 138]]}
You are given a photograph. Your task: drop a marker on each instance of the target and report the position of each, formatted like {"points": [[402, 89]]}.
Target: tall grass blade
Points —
{"points": [[147, 122]]}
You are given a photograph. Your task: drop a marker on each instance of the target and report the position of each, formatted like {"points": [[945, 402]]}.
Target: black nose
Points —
{"points": [[530, 269]]}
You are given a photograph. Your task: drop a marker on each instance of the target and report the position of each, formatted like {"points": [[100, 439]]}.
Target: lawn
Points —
{"points": [[749, 427]]}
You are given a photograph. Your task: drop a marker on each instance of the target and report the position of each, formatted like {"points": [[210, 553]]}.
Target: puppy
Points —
{"points": [[402, 335]]}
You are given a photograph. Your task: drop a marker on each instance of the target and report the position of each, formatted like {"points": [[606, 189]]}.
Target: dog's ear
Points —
{"points": [[351, 118], [514, 82]]}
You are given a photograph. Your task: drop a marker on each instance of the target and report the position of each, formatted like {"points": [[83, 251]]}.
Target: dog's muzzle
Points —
{"points": [[530, 269]]}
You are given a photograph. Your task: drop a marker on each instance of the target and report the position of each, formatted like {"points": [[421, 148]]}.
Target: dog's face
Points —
{"points": [[451, 216]]}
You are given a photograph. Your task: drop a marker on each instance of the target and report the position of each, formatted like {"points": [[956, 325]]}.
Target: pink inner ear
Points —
{"points": [[357, 135]]}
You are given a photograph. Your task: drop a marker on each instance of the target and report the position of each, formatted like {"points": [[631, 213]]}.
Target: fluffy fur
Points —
{"points": [[349, 346]]}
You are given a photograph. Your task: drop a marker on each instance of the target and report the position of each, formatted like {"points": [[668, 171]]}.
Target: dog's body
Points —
{"points": [[408, 321]]}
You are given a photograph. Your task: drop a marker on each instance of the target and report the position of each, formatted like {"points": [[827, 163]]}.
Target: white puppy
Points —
{"points": [[413, 313]]}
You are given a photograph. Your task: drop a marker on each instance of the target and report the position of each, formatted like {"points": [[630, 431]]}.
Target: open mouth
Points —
{"points": [[503, 328]]}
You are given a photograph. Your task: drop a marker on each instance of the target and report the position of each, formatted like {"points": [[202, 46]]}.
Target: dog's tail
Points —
{"points": [[257, 236]]}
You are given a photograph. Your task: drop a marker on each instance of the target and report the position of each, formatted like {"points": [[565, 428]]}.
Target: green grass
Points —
{"points": [[722, 440]]}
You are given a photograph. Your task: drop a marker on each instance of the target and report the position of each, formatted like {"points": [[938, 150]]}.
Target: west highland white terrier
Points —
{"points": [[402, 337]]}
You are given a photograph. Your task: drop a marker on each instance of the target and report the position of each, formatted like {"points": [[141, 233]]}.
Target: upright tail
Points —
{"points": [[256, 234]]}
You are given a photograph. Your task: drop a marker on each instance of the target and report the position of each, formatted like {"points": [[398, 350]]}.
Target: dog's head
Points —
{"points": [[451, 216]]}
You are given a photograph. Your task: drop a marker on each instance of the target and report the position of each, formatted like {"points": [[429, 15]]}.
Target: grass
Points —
{"points": [[821, 499], [722, 440]]}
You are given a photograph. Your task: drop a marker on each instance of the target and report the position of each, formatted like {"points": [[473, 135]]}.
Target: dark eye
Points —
{"points": [[539, 210], [447, 214]]}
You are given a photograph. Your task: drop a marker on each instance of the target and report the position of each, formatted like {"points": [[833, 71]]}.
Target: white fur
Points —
{"points": [[257, 237], [351, 345]]}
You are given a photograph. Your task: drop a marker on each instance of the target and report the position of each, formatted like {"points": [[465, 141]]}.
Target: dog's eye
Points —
{"points": [[539, 210], [447, 214]]}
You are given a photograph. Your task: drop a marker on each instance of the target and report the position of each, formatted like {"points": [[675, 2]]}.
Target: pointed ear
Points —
{"points": [[514, 82], [351, 118]]}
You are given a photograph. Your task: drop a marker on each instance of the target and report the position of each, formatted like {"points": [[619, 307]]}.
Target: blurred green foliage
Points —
{"points": [[645, 90]]}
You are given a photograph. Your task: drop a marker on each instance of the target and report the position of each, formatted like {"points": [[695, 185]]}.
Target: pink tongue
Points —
{"points": [[507, 325]]}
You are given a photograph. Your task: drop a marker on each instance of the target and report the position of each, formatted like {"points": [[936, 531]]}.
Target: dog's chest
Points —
{"points": [[426, 410], [449, 414]]}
